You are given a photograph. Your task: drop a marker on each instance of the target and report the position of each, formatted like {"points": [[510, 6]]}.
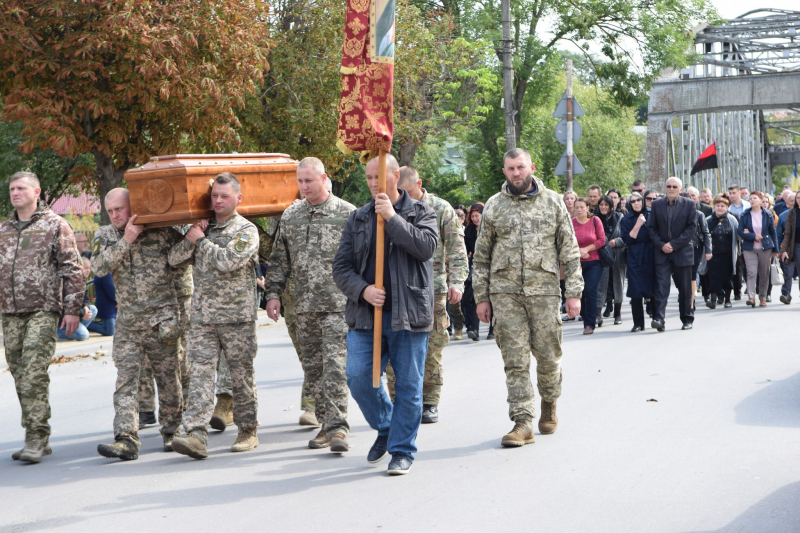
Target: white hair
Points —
{"points": [[694, 190], [680, 183]]}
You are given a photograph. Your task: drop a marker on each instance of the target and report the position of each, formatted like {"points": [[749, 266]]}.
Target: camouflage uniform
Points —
{"points": [[147, 323], [305, 246], [183, 289], [449, 261], [287, 303], [223, 317], [39, 263], [522, 240]]}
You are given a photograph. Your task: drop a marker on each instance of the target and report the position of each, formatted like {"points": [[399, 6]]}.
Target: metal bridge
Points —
{"points": [[742, 92]]}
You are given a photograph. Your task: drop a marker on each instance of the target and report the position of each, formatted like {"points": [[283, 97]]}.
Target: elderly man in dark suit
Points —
{"points": [[673, 222]]}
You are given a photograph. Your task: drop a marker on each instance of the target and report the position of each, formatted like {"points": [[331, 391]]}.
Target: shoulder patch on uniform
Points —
{"points": [[96, 245], [241, 243]]}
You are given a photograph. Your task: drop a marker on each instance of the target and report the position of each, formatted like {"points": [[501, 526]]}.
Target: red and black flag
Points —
{"points": [[708, 159]]}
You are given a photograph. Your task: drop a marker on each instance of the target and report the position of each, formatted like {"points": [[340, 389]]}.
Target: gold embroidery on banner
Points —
{"points": [[379, 89], [352, 122], [359, 5], [345, 84], [356, 26], [353, 47], [351, 101]]}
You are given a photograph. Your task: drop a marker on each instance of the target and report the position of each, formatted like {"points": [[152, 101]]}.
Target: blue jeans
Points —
{"points": [[592, 272], [81, 334], [105, 327], [406, 350]]}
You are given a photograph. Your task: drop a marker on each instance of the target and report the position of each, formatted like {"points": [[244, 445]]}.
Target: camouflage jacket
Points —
{"points": [[184, 286], [143, 278], [224, 271], [40, 268], [450, 259], [522, 240], [305, 245]]}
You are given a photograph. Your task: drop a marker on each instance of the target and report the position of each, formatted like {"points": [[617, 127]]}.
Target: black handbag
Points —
{"points": [[606, 253]]}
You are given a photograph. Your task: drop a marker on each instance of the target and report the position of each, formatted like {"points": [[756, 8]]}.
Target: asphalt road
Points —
{"points": [[718, 451]]}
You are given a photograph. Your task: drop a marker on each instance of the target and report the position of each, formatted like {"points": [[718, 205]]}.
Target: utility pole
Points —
{"points": [[569, 125], [508, 78]]}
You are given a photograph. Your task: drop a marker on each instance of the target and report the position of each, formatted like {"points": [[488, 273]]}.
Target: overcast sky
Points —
{"points": [[733, 8]]}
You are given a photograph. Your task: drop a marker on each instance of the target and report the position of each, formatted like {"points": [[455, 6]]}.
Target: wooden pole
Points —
{"points": [[719, 181], [379, 260]]}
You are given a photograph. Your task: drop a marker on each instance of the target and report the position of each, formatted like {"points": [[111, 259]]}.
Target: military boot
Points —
{"points": [[548, 422], [147, 418], [168, 438], [458, 335], [521, 435], [33, 451], [308, 418], [246, 441], [191, 445], [223, 413], [47, 451], [320, 441], [339, 442], [124, 449]]}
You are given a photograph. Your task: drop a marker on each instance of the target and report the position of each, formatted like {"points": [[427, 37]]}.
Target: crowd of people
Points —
{"points": [[181, 302], [737, 240]]}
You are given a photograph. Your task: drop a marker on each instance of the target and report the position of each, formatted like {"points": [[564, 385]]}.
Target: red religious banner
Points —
{"points": [[366, 109]]}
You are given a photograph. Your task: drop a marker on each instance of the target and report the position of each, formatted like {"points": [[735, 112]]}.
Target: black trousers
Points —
{"points": [[739, 275], [682, 275], [637, 310], [469, 308]]}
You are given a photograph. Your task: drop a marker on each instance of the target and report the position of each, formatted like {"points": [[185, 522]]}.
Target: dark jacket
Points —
{"points": [[412, 234], [769, 236], [706, 209], [789, 235], [105, 297], [684, 226], [702, 237], [639, 257]]}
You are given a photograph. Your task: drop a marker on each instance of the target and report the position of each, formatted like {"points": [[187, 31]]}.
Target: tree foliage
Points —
{"points": [[57, 175], [442, 82], [126, 80]]}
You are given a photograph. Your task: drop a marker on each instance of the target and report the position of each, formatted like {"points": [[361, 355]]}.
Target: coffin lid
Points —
{"points": [[211, 160]]}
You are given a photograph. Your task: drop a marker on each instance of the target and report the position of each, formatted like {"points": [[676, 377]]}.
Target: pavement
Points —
{"points": [[682, 431]]}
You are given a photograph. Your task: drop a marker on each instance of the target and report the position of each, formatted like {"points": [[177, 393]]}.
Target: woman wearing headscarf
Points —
{"points": [[639, 257], [613, 279], [724, 252]]}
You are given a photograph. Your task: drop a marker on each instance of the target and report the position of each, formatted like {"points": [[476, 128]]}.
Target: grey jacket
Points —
{"points": [[412, 235]]}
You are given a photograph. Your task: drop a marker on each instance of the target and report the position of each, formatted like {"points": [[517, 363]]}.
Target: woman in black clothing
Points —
{"points": [[725, 250], [611, 283], [468, 304], [633, 229], [616, 197]]}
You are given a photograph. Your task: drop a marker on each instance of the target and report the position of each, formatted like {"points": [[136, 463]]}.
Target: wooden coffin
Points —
{"points": [[176, 189]]}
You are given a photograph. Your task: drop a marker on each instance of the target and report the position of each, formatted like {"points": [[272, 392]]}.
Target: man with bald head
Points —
{"points": [[672, 225], [407, 301], [147, 321]]}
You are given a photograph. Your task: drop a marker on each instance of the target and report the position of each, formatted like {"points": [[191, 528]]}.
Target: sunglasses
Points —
{"points": [[672, 186], [650, 198], [636, 201]]}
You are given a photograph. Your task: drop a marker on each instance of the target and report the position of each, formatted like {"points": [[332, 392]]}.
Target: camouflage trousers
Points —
{"points": [[206, 342], [287, 302], [161, 344], [323, 355], [438, 339], [147, 383], [30, 342], [526, 325], [457, 316]]}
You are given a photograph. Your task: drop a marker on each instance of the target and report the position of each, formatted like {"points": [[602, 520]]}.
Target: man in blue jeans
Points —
{"points": [[407, 301]]}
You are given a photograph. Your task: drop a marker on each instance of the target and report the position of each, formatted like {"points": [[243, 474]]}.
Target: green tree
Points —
{"points": [[128, 80]]}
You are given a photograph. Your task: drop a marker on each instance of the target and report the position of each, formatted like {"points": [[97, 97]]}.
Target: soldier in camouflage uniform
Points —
{"points": [[224, 252], [449, 261], [147, 323], [40, 278], [305, 245], [525, 234], [147, 391]]}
